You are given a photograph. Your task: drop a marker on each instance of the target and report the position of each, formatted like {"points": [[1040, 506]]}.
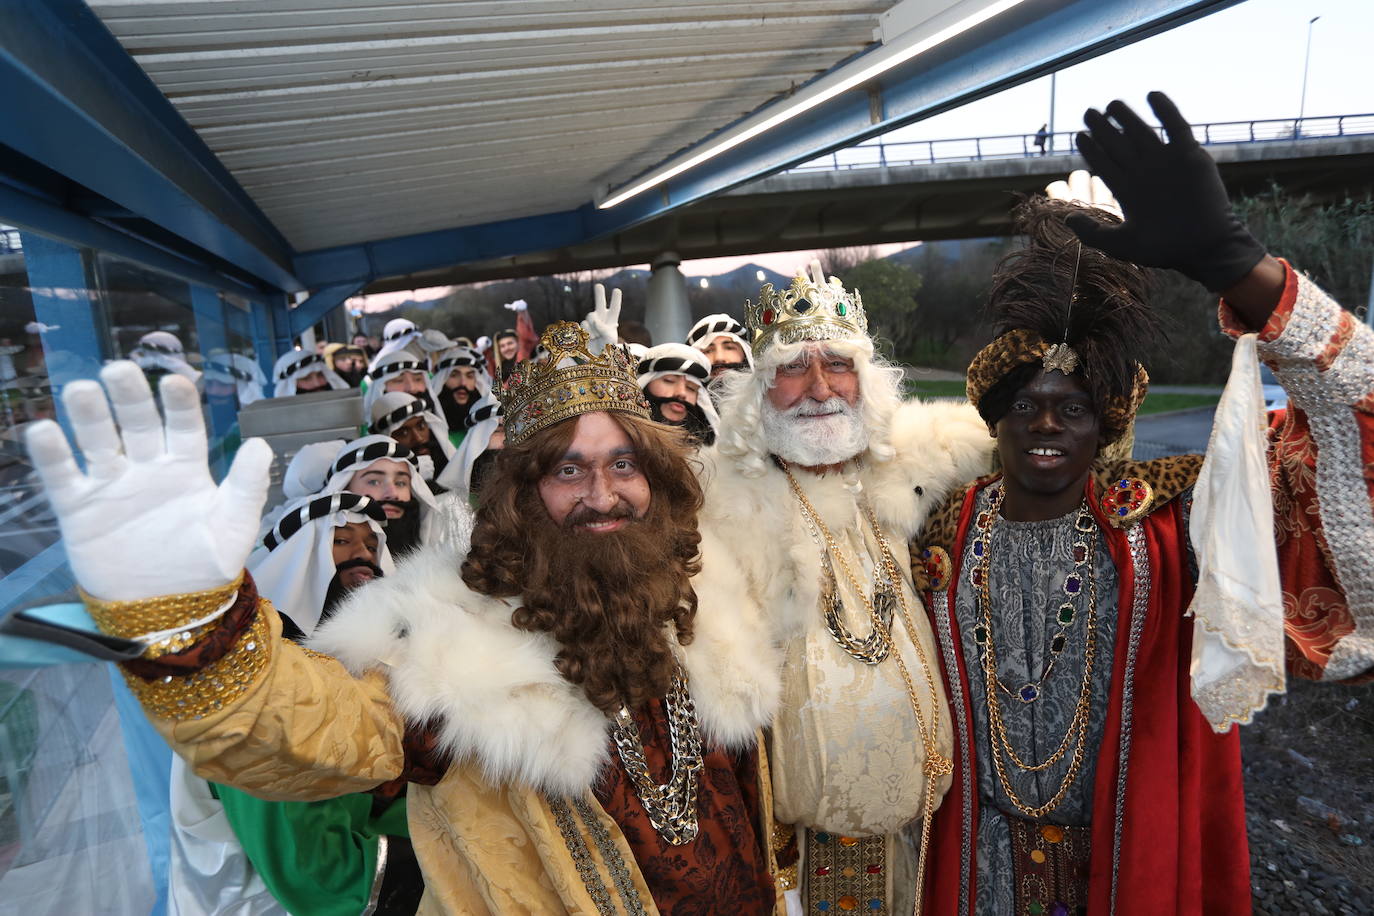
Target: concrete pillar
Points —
{"points": [[667, 313]]}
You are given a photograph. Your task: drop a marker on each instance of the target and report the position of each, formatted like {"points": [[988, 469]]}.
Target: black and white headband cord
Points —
{"points": [[398, 416], [366, 454], [676, 365], [298, 365], [723, 326], [233, 372], [159, 348], [322, 507], [397, 335], [455, 361], [485, 412], [393, 368]]}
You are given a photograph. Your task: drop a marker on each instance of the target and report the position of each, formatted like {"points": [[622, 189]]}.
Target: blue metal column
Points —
{"points": [[264, 340], [63, 307], [221, 413]]}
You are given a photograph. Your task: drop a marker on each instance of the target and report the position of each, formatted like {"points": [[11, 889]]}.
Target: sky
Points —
{"points": [[1243, 63]]}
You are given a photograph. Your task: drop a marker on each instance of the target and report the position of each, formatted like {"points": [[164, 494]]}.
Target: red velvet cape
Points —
{"points": [[1183, 846]]}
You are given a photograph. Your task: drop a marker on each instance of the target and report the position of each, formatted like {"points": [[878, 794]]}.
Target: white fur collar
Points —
{"points": [[452, 656], [939, 445]]}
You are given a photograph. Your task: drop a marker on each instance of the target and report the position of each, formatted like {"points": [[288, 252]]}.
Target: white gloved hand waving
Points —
{"points": [[146, 519], [519, 305], [603, 321]]}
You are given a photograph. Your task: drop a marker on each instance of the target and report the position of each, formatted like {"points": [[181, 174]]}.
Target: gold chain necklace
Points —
{"points": [[936, 764], [1077, 732]]}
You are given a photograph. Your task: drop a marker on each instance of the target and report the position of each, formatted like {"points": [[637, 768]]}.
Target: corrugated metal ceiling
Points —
{"points": [[352, 122]]}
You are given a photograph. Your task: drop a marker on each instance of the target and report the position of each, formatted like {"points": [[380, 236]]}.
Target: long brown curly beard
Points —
{"points": [[606, 598]]}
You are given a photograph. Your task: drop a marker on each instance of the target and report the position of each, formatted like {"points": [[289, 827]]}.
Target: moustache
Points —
{"points": [[360, 563], [588, 516]]}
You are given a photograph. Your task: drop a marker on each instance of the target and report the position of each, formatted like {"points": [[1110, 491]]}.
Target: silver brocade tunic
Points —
{"points": [[1027, 566]]}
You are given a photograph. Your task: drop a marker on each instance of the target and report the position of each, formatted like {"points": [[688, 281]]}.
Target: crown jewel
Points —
{"points": [[540, 394], [812, 308]]}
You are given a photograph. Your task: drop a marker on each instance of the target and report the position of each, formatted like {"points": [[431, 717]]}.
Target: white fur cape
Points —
{"points": [[452, 655], [938, 445]]}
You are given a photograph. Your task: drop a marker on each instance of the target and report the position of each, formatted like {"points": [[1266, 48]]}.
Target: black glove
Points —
{"points": [[1176, 208]]}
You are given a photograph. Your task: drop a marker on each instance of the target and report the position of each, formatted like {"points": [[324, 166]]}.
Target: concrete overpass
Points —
{"points": [[927, 191]]}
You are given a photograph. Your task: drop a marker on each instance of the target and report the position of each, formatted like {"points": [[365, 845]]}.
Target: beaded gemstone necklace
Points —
{"points": [[1076, 734]]}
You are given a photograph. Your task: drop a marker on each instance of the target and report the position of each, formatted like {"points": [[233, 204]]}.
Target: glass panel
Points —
{"points": [[26, 523]]}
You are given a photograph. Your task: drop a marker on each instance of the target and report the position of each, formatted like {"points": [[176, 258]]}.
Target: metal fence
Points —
{"points": [[882, 153]]}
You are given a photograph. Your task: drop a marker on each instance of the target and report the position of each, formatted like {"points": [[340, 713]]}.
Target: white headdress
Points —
{"points": [[162, 350], [385, 368], [720, 325], [294, 563], [454, 358], [396, 407], [294, 364], [238, 370], [396, 336], [482, 422]]}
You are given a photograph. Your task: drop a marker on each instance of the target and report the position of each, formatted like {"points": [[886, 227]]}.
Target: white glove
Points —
{"points": [[1083, 188], [146, 519], [603, 321], [519, 305], [483, 344]]}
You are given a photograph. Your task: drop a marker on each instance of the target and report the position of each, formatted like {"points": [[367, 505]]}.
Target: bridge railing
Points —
{"points": [[883, 153]]}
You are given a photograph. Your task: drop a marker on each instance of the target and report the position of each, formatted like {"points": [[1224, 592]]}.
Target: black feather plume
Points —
{"points": [[1068, 292]]}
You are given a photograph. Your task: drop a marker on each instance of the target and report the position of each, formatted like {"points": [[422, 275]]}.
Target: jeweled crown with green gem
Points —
{"points": [[810, 309], [539, 394]]}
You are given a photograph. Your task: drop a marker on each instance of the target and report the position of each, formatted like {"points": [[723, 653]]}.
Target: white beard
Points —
{"points": [[815, 434]]}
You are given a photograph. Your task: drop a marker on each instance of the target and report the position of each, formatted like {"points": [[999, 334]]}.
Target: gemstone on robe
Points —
{"points": [[874, 869], [980, 634], [822, 871], [848, 902], [1080, 552], [1066, 614], [1059, 908], [1073, 584], [822, 837], [875, 904], [849, 841], [848, 871], [1057, 644], [1029, 693], [1052, 833], [823, 905], [978, 547], [1037, 857], [1035, 908]]}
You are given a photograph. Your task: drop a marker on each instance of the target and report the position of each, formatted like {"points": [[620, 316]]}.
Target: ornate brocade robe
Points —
{"points": [[517, 816], [845, 749], [1167, 802]]}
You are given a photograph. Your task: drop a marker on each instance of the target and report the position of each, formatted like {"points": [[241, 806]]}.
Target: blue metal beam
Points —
{"points": [[30, 212], [1031, 40], [75, 101], [1027, 42], [321, 303]]}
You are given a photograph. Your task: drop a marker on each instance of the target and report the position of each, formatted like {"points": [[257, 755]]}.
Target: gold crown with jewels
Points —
{"points": [[540, 393], [812, 308]]}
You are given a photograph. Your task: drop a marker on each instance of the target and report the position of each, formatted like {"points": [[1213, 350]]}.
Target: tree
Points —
{"points": [[888, 291]]}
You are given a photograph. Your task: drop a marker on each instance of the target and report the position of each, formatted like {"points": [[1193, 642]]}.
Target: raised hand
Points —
{"points": [[146, 519], [603, 321], [1086, 189], [1177, 212], [519, 305]]}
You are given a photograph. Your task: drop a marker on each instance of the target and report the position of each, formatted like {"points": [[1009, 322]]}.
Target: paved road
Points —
{"points": [[1173, 434]]}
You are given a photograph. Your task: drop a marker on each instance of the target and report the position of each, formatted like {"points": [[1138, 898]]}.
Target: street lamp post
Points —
{"points": [[1302, 105]]}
